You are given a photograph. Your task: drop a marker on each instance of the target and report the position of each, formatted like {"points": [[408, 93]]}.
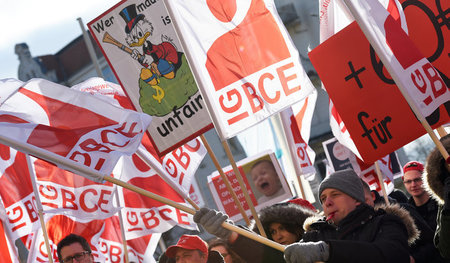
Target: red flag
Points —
{"points": [[60, 122]]}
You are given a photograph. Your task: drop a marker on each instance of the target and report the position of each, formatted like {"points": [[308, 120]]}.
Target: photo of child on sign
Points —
{"points": [[264, 181]]}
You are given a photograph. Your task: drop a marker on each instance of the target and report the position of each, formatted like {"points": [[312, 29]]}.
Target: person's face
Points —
{"points": [[413, 183], [368, 197], [336, 204], [265, 178], [225, 254], [281, 235], [189, 256], [74, 250]]}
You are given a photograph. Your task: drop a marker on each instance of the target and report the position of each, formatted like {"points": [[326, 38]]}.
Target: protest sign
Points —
{"points": [[263, 178], [340, 157], [379, 120], [141, 46]]}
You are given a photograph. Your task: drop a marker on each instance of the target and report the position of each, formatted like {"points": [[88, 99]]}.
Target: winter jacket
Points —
{"points": [[291, 216], [366, 235], [428, 211], [423, 249], [436, 174]]}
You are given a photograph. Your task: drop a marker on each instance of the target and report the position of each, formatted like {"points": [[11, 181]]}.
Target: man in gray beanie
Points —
{"points": [[351, 230]]}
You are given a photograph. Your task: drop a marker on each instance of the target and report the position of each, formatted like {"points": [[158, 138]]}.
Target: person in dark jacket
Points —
{"points": [[438, 182], [426, 206], [283, 223], [351, 231], [422, 250]]}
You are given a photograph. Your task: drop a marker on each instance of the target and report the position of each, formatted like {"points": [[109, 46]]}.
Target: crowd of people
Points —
{"points": [[354, 225]]}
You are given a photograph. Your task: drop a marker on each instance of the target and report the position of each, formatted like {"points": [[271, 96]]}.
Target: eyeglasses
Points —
{"points": [[417, 180], [78, 256]]}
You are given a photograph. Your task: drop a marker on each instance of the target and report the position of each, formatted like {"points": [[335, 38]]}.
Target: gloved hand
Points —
{"points": [[211, 220], [307, 252]]}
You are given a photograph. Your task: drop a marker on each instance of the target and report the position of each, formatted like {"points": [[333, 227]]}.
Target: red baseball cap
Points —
{"points": [[413, 166], [190, 242]]}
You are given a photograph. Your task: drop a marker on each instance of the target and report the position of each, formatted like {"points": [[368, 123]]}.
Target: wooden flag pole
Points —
{"points": [[163, 174], [192, 211], [441, 131], [225, 179], [39, 207], [243, 188], [95, 175], [287, 143], [380, 179], [122, 228]]}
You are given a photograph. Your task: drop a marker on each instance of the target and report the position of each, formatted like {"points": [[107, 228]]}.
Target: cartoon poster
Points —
{"points": [[244, 60], [264, 179], [141, 46]]}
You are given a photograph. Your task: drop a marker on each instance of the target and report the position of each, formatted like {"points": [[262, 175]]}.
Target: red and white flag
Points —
{"points": [[111, 245], [56, 121], [297, 126], [413, 73], [143, 215], [7, 251], [178, 166], [16, 194], [58, 227], [244, 60]]}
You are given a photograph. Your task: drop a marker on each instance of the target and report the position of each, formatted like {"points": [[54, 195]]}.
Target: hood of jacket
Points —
{"points": [[287, 214], [392, 209], [435, 171]]}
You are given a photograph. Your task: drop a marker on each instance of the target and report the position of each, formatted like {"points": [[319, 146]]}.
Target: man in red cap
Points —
{"points": [[420, 199], [190, 248]]}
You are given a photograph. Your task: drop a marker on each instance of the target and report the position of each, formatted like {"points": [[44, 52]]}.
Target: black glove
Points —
{"points": [[211, 220], [308, 252]]}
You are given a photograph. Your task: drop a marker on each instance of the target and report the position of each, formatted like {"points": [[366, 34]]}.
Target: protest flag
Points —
{"points": [[7, 252], [418, 81], [297, 126], [351, 69], [68, 127]]}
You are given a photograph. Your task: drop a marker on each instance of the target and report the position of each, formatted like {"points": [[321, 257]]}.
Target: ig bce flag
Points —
{"points": [[244, 61], [60, 121]]}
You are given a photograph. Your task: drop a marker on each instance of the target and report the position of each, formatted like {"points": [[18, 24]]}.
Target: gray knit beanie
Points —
{"points": [[346, 181]]}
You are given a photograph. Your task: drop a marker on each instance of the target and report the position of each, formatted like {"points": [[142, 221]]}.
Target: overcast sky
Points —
{"points": [[45, 25]]}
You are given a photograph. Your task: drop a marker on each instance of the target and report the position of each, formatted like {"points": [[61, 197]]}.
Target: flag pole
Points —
{"points": [[225, 179], [192, 211], [95, 175], [122, 228], [380, 179], [243, 187], [40, 209], [441, 131], [90, 48], [163, 174], [400, 85], [288, 140]]}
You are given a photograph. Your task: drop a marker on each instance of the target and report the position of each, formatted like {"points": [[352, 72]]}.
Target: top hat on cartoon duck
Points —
{"points": [[131, 17]]}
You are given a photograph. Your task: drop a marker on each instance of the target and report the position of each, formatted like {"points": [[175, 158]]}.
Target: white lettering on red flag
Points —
{"points": [[71, 124]]}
